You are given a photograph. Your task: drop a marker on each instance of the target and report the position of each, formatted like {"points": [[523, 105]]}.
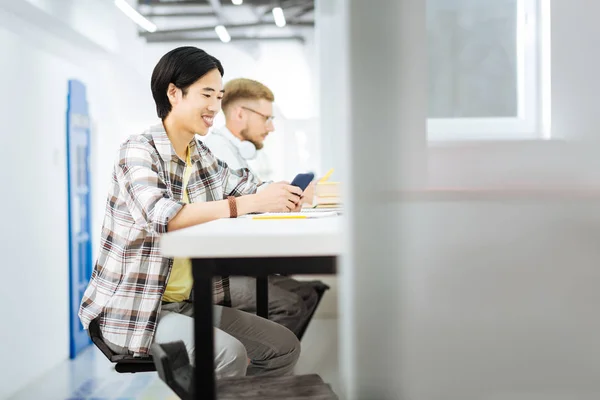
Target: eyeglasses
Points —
{"points": [[268, 118]]}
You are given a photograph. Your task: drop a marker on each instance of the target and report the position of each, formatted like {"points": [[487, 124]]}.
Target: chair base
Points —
{"points": [[129, 367]]}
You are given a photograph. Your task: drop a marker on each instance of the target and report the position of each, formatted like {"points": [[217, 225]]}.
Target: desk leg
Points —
{"points": [[262, 296], [204, 372]]}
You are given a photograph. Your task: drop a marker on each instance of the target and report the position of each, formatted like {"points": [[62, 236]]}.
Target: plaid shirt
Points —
{"points": [[130, 275]]}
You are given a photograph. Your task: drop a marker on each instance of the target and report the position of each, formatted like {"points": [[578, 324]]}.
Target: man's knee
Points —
{"points": [[231, 358], [295, 348], [288, 345], [288, 350]]}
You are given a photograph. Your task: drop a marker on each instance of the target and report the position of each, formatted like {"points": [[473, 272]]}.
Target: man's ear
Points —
{"points": [[174, 94], [239, 113]]}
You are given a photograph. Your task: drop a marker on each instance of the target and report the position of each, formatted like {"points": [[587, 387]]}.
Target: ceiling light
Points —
{"points": [[222, 33], [279, 17], [135, 16], [237, 2]]}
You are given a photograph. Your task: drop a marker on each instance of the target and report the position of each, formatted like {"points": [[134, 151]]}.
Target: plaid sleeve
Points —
{"points": [[143, 189]]}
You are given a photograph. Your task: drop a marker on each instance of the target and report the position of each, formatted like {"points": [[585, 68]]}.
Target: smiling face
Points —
{"points": [[195, 108]]}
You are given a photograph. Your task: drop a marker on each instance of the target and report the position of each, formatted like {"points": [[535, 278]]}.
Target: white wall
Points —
{"points": [[498, 299], [491, 299], [40, 53]]}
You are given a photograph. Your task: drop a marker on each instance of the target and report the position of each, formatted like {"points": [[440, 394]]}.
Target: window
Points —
{"points": [[483, 69]]}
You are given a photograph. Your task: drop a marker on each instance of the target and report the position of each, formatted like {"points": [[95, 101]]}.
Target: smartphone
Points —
{"points": [[303, 180]]}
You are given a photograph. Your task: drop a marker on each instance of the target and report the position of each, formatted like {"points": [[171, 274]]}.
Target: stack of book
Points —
{"points": [[327, 195]]}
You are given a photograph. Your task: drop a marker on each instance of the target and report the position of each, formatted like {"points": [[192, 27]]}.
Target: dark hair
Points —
{"points": [[182, 67]]}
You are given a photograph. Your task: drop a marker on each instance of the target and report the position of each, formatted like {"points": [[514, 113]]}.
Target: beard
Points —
{"points": [[258, 144]]}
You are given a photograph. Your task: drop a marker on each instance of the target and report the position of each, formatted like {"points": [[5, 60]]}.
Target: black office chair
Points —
{"points": [[320, 288], [123, 363]]}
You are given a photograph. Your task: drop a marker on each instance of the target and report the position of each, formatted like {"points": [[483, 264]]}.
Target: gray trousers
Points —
{"points": [[244, 343], [291, 302]]}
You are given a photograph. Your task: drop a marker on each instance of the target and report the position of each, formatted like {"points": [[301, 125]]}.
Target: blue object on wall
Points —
{"points": [[78, 186]]}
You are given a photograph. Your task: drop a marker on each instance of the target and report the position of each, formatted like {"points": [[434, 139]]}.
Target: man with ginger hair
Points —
{"points": [[248, 108]]}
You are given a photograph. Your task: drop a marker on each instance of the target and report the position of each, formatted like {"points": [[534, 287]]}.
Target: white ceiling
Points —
{"points": [[200, 17]]}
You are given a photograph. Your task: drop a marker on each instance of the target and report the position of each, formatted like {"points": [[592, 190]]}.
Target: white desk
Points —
{"points": [[245, 237], [247, 247]]}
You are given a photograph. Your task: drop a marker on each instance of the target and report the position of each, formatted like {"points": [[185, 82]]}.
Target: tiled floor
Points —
{"points": [[91, 376]]}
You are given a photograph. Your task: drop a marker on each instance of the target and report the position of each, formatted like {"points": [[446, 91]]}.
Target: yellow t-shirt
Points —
{"points": [[180, 281]]}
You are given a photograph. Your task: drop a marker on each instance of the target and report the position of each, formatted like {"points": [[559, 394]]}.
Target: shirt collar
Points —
{"points": [[165, 147]]}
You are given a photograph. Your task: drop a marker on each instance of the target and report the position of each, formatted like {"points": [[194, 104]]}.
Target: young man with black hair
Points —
{"points": [[164, 180]]}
